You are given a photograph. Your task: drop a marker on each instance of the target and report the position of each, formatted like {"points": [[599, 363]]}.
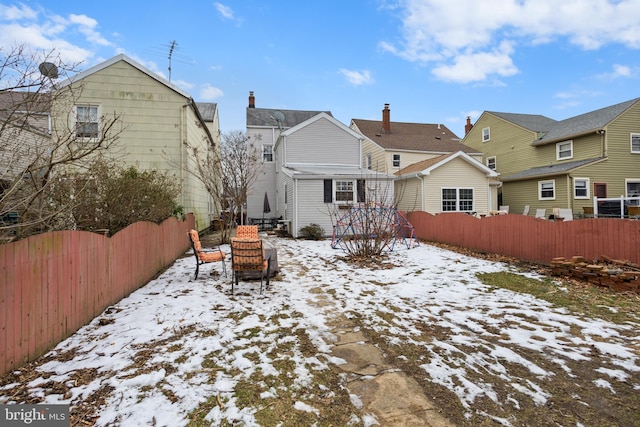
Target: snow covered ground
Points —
{"points": [[151, 355]]}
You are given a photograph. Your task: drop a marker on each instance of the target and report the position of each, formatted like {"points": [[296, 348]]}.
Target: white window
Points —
{"points": [[564, 150], [267, 153], [633, 188], [396, 160], [344, 192], [635, 143], [491, 162], [457, 199], [581, 188], [87, 121], [486, 134], [547, 190], [368, 160]]}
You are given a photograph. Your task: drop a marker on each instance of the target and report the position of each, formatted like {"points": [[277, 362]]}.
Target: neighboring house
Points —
{"points": [[549, 164], [431, 163], [158, 120], [311, 169], [390, 146], [453, 182]]}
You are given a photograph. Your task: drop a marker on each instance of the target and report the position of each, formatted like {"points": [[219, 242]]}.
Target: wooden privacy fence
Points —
{"points": [[54, 283], [532, 239]]}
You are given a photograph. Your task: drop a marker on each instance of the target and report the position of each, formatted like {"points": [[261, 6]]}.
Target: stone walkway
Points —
{"points": [[393, 397]]}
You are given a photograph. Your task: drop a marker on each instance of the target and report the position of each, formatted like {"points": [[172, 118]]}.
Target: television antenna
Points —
{"points": [[171, 49]]}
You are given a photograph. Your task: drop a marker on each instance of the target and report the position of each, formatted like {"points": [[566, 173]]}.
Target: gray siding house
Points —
{"points": [[312, 170]]}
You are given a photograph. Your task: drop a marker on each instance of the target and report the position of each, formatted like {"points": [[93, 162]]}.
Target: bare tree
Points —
{"points": [[227, 172], [32, 149], [365, 230]]}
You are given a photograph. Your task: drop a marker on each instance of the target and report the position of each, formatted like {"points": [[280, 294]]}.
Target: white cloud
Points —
{"points": [[455, 35], [357, 78], [210, 93], [224, 10], [38, 31], [478, 66]]}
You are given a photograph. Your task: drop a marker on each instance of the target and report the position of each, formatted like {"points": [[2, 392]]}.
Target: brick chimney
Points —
{"points": [[252, 100], [468, 126], [386, 119]]}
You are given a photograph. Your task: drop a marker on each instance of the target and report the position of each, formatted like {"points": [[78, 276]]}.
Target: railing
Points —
{"points": [[614, 207], [54, 283]]}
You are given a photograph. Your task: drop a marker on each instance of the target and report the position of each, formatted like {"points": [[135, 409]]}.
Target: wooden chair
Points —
{"points": [[205, 256], [247, 232], [587, 211], [634, 212], [526, 210], [248, 256]]}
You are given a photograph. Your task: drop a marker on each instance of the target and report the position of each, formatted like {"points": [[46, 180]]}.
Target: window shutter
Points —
{"points": [[361, 191], [328, 191]]}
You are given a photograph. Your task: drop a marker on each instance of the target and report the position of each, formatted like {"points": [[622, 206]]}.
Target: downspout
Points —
{"points": [[183, 140]]}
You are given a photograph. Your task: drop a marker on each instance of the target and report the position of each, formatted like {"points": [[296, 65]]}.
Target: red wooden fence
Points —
{"points": [[54, 283], [531, 239]]}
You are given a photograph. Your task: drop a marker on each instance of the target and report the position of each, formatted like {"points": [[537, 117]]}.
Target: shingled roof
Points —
{"points": [[432, 138], [267, 117], [550, 131]]}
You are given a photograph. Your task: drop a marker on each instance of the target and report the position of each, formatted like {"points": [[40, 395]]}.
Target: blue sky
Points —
{"points": [[433, 61]]}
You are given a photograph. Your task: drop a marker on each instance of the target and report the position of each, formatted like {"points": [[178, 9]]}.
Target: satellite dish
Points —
{"points": [[48, 69], [279, 116]]}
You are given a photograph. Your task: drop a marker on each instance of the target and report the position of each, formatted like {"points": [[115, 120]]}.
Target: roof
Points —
{"points": [[425, 167], [585, 123], [124, 58], [265, 117], [317, 117], [532, 122], [29, 110], [549, 170], [207, 110], [433, 138], [550, 130], [318, 172]]}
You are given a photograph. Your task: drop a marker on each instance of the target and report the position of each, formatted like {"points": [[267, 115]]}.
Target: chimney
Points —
{"points": [[468, 126], [386, 119], [252, 100]]}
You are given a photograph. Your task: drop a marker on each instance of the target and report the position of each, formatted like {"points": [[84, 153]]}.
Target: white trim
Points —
{"points": [[559, 144], [548, 181], [588, 188]]}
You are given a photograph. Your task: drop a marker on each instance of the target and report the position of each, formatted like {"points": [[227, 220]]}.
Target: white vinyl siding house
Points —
{"points": [[452, 182], [318, 153]]}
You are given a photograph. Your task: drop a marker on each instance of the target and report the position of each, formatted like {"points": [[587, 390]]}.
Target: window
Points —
{"points": [[396, 160], [344, 191], [267, 153], [457, 199], [564, 150], [635, 143], [491, 162], [581, 188], [486, 134], [368, 161], [87, 121], [547, 190], [633, 187]]}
